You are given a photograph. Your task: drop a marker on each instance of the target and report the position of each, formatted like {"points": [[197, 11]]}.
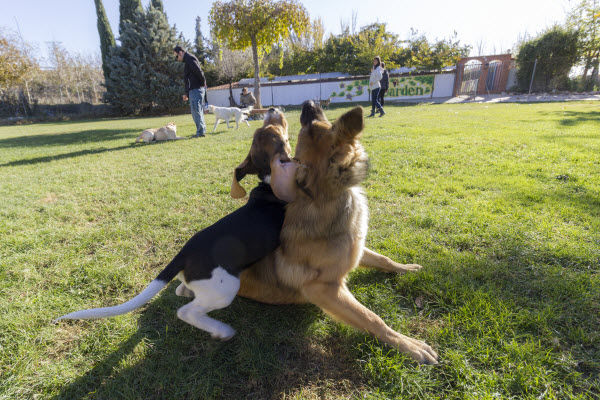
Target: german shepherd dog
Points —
{"points": [[324, 230]]}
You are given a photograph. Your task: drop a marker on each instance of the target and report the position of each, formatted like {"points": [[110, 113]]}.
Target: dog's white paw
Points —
{"points": [[225, 332]]}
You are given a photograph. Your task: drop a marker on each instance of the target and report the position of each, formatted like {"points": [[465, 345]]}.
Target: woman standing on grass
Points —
{"points": [[376, 75]]}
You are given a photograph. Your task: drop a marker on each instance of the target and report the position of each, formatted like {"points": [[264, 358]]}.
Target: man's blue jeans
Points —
{"points": [[196, 98]]}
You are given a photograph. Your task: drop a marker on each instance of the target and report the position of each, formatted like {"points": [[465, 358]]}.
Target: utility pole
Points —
{"points": [[532, 75]]}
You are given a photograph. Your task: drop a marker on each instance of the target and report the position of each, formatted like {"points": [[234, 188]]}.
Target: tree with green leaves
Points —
{"points": [[14, 63], [17, 68], [199, 43], [127, 12], [299, 53], [257, 24], [107, 39], [143, 73], [585, 19], [434, 56], [353, 53], [557, 50]]}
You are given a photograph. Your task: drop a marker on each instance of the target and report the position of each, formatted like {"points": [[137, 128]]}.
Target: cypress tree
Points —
{"points": [[158, 4], [107, 39], [144, 75], [200, 49], [127, 11]]}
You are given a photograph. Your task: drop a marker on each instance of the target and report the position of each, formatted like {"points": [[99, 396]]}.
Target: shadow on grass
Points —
{"points": [[57, 157], [65, 139], [271, 354], [572, 118]]}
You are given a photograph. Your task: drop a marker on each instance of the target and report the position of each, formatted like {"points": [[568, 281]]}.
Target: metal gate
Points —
{"points": [[494, 74], [469, 79]]}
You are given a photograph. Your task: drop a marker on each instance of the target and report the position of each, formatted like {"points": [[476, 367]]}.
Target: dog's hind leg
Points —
{"points": [[372, 259], [337, 301], [195, 315], [211, 294], [183, 291]]}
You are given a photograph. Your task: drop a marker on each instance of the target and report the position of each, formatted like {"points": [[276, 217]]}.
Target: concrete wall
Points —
{"points": [[512, 79], [402, 87], [443, 86]]}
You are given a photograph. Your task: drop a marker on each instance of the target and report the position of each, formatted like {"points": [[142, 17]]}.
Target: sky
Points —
{"points": [[496, 24]]}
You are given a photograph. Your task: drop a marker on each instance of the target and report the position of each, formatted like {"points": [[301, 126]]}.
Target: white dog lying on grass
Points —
{"points": [[228, 113], [167, 132]]}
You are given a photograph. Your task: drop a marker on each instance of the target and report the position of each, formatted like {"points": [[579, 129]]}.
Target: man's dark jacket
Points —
{"points": [[385, 80], [192, 73]]}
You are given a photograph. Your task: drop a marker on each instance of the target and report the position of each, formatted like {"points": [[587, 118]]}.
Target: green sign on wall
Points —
{"points": [[407, 86], [411, 86]]}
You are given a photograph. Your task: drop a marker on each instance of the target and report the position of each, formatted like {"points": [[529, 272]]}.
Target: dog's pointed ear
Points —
{"points": [[245, 168], [350, 125]]}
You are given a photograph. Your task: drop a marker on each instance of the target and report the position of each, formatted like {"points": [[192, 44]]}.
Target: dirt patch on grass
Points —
{"points": [[64, 340], [49, 198]]}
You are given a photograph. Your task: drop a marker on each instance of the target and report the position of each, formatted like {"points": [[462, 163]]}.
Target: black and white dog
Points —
{"points": [[210, 263]]}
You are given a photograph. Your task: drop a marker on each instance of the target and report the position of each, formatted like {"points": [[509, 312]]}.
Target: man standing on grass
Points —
{"points": [[194, 87]]}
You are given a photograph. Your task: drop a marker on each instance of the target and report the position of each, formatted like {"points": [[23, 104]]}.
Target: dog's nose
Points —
{"points": [[272, 109]]}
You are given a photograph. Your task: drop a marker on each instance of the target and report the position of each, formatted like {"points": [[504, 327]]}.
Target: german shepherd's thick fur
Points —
{"points": [[324, 232]]}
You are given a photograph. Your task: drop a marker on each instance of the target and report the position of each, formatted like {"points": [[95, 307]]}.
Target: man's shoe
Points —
{"points": [[372, 114], [381, 113]]}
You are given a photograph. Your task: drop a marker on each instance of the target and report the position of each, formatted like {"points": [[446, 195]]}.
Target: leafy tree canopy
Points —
{"points": [[258, 24], [556, 51], [14, 62]]}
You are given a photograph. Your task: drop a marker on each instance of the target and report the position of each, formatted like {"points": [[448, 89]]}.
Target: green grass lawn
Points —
{"points": [[500, 203]]}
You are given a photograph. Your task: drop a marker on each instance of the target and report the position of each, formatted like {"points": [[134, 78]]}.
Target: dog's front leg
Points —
{"points": [[216, 123], [337, 301], [372, 259]]}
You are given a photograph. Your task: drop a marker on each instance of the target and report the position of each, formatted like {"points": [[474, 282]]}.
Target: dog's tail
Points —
{"points": [[151, 290]]}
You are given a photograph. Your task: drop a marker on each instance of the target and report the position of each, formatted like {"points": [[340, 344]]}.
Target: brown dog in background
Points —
{"points": [[324, 232], [324, 103]]}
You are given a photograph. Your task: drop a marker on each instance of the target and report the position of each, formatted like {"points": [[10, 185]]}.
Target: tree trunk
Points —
{"points": [[594, 81], [584, 80], [28, 92], [256, 72], [232, 102], [23, 101]]}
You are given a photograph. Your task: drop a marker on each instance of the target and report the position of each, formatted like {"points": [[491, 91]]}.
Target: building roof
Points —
{"points": [[234, 85]]}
